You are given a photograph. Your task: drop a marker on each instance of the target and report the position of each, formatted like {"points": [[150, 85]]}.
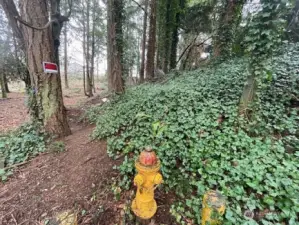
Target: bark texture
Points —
{"points": [[150, 65], [142, 65], [228, 22], [2, 84], [39, 46], [66, 83], [114, 47]]}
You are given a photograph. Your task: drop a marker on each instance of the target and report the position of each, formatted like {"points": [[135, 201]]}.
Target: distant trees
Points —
{"points": [[89, 26]]}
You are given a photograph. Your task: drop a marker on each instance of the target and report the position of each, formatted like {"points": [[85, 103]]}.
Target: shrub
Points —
{"points": [[20, 145]]}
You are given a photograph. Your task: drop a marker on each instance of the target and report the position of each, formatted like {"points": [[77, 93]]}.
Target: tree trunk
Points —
{"points": [[48, 93], [93, 43], [114, 47], [84, 49], [175, 35], [3, 91], [247, 95], [88, 74], [228, 22], [150, 65], [141, 74], [66, 83], [167, 38], [6, 83]]}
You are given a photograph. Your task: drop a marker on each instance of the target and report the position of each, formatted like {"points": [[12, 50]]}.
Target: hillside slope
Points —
{"points": [[193, 124]]}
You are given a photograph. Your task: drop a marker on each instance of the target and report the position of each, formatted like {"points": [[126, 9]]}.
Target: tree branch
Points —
{"points": [[192, 43], [70, 3], [33, 27], [139, 6]]}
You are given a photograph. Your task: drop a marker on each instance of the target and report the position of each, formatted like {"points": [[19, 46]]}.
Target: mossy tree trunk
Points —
{"points": [[40, 45], [228, 22], [114, 46], [247, 95], [47, 87]]}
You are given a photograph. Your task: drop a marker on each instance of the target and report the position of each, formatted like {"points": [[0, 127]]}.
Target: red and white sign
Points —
{"points": [[50, 67]]}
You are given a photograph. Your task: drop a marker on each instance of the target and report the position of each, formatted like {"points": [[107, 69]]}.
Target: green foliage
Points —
{"points": [[20, 145], [227, 26], [263, 38], [193, 124]]}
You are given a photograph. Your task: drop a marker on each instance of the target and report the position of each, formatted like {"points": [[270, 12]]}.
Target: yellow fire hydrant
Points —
{"points": [[147, 179], [213, 208]]}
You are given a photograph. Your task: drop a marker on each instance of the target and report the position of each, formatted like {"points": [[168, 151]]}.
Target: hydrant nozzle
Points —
{"points": [[148, 177]]}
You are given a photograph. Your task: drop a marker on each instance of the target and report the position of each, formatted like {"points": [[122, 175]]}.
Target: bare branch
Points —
{"points": [[33, 27], [139, 6], [190, 45], [70, 3]]}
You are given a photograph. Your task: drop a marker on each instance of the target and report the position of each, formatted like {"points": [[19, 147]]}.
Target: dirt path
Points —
{"points": [[13, 111], [76, 179]]}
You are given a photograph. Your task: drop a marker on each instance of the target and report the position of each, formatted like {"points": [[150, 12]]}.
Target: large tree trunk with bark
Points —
{"points": [[141, 74], [41, 45], [47, 87], [114, 47], [150, 64]]}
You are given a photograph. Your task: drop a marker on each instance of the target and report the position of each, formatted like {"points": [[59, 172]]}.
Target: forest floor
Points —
{"points": [[78, 179]]}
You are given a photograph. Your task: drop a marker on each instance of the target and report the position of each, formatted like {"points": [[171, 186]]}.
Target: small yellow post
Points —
{"points": [[213, 208]]}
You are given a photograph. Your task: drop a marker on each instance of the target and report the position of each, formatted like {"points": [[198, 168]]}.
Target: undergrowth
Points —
{"points": [[21, 145], [193, 123]]}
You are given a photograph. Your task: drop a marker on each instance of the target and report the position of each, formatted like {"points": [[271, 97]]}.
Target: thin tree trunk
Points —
{"points": [[88, 75], [141, 73], [84, 83], [98, 75], [167, 38], [3, 91], [84, 49], [65, 59], [150, 65], [6, 83], [93, 43]]}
